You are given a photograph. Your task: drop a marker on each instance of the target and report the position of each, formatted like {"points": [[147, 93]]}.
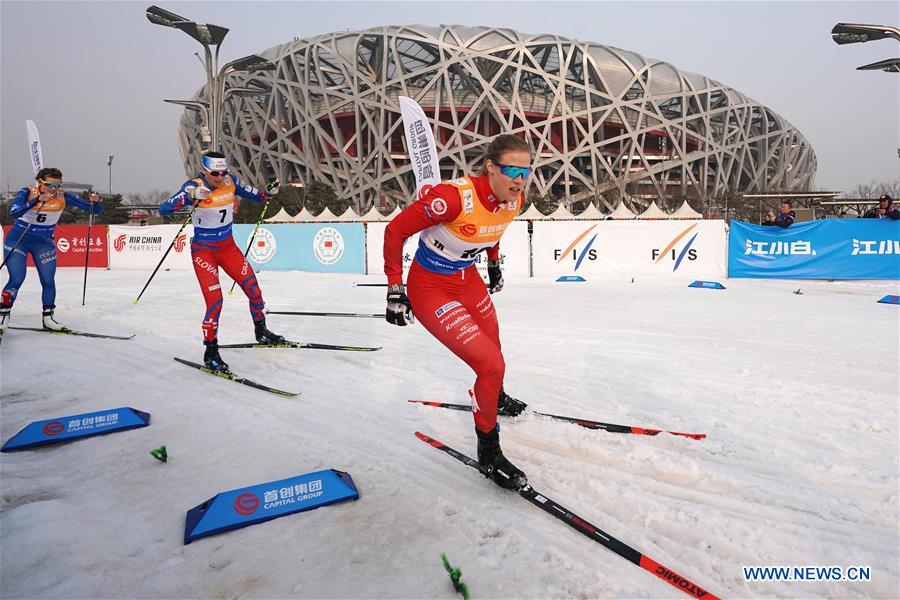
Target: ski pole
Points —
{"points": [[325, 314], [87, 254], [169, 249], [358, 284], [259, 221]]}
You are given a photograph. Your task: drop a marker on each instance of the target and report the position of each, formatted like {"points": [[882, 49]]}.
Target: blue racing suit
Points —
{"points": [[32, 233]]}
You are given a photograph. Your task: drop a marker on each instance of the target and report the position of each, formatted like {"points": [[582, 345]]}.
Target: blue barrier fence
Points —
{"points": [[826, 249], [326, 247]]}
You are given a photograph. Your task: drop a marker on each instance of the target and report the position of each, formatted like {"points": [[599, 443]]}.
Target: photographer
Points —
{"points": [[785, 216]]}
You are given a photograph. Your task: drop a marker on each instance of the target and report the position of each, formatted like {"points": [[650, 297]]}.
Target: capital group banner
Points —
{"points": [[72, 243], [824, 249]]}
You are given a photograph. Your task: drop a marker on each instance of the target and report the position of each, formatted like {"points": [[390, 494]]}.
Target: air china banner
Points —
{"points": [[690, 249], [72, 243], [319, 247], [513, 250], [826, 249], [143, 247]]}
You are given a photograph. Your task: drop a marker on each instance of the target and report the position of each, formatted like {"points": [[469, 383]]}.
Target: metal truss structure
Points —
{"points": [[603, 123]]}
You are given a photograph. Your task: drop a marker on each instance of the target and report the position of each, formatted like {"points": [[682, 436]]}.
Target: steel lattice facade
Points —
{"points": [[604, 123]]}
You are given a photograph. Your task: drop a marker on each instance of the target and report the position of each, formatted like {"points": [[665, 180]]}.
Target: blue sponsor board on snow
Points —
{"points": [[569, 278], [267, 501], [889, 299], [825, 249], [321, 247], [710, 285], [65, 429]]}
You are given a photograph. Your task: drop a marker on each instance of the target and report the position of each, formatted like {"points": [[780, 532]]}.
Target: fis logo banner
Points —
{"points": [[576, 254], [250, 505], [671, 251], [629, 248], [65, 429]]}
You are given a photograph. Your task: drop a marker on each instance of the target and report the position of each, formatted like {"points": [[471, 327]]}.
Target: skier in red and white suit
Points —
{"points": [[212, 196], [458, 219]]}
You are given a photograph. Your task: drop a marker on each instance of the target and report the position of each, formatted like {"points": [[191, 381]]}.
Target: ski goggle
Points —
{"points": [[54, 186], [513, 172], [218, 173]]}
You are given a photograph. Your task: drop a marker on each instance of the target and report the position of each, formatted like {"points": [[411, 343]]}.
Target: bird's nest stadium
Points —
{"points": [[603, 123]]}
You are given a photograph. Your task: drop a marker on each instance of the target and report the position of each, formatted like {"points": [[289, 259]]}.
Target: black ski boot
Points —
{"points": [[49, 321], [211, 357], [4, 314], [494, 465], [264, 336], [507, 406]]}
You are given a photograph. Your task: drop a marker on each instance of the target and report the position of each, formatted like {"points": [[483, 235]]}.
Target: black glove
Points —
{"points": [[495, 276], [399, 310]]}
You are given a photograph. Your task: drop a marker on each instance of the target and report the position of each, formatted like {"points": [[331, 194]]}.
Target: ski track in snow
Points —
{"points": [[798, 394]]}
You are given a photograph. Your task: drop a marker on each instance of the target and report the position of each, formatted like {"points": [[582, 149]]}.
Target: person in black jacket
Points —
{"points": [[785, 216], [884, 210]]}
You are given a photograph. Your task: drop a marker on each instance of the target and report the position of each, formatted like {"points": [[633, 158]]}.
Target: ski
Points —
{"points": [[67, 331], [325, 314], [309, 345], [232, 377], [585, 528], [610, 427]]}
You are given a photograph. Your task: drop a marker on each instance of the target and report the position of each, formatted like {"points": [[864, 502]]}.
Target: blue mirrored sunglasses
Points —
{"points": [[513, 172], [54, 186]]}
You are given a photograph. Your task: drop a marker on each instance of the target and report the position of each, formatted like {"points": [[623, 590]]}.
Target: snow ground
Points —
{"points": [[798, 393]]}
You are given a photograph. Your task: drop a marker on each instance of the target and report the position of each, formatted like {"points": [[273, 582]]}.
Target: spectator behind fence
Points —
{"points": [[785, 216], [884, 210]]}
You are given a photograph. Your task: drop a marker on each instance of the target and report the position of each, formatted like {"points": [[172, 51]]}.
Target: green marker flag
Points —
{"points": [[455, 575], [160, 454]]}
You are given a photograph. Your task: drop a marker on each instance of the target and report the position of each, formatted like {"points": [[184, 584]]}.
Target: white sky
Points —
{"points": [[92, 75]]}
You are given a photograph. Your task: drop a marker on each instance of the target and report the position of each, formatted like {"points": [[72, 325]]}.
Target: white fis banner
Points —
{"points": [[143, 247], [421, 146], [513, 250], [625, 249], [34, 146]]}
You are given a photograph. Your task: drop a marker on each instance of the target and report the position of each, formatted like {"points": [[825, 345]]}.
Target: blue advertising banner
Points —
{"points": [[64, 429], [267, 501], [321, 247], [826, 249], [711, 285]]}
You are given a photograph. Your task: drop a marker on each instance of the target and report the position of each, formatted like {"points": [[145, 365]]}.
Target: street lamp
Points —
{"points": [[209, 35], [855, 33], [109, 164]]}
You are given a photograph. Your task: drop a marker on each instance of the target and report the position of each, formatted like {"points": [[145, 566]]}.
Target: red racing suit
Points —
{"points": [[457, 220], [213, 245]]}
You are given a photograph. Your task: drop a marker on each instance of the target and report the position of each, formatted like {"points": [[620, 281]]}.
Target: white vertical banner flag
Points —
{"points": [[34, 146], [420, 143]]}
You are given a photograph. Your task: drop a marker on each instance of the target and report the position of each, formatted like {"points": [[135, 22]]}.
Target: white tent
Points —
{"points": [[326, 216], [685, 212], [621, 212], [591, 212], [532, 214], [281, 216], [394, 213], [561, 214], [304, 216], [653, 212], [348, 216], [372, 215]]}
